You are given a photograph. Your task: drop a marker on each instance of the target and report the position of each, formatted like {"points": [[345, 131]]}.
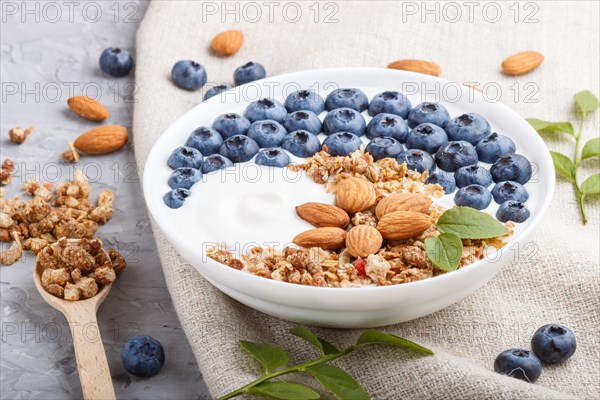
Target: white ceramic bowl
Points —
{"points": [[351, 307]]}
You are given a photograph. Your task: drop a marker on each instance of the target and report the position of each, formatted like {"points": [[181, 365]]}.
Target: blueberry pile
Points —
{"points": [[551, 344], [454, 151]]}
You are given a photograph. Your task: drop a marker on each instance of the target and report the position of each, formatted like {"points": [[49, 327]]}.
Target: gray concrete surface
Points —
{"points": [[49, 53]]}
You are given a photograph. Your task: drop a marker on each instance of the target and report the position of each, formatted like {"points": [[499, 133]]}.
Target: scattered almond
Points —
{"points": [[88, 108], [522, 63], [399, 225], [421, 66], [355, 194], [416, 202], [329, 238], [227, 43], [102, 140], [18, 135], [363, 240], [323, 215]]}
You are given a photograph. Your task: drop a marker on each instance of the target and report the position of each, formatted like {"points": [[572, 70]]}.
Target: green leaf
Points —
{"points": [[586, 102], [372, 336], [285, 391], [338, 381], [468, 223], [444, 250], [270, 356], [591, 185], [591, 149], [564, 165], [306, 334], [541, 125]]}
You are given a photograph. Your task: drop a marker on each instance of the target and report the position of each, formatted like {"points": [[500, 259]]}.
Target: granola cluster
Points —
{"points": [[6, 172], [68, 212], [18, 135], [76, 270], [398, 261]]}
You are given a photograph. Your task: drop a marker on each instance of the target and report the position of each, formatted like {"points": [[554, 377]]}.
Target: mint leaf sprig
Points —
{"points": [[456, 224], [273, 358], [585, 103]]}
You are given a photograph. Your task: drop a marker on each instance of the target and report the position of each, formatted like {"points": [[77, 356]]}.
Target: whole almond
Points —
{"points": [[403, 224], [329, 238], [363, 240], [417, 202], [522, 63], [102, 140], [227, 43], [88, 108], [322, 215], [355, 194], [421, 66]]}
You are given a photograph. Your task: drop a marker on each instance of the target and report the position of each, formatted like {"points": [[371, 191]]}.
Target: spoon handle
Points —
{"points": [[94, 374]]}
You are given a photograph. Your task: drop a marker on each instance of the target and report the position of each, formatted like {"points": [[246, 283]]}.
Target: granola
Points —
{"points": [[397, 262], [77, 270], [18, 135]]}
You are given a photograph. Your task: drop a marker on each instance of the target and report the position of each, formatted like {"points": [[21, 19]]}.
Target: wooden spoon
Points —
{"points": [[92, 365]]}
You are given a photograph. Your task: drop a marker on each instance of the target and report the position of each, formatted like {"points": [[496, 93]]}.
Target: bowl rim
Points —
{"points": [[537, 142]]}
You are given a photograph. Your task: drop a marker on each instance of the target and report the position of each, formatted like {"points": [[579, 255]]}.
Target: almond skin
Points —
{"points": [[355, 194], [421, 66], [88, 108], [227, 43], [102, 140], [329, 238], [522, 63], [399, 225], [323, 215], [416, 202], [363, 240]]}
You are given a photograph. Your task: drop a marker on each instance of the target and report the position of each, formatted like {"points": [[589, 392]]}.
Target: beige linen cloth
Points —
{"points": [[556, 275]]}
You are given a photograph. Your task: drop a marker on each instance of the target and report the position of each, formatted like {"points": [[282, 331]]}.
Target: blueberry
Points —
{"points": [[266, 109], [215, 90], [474, 196], [433, 113], [207, 140], [188, 74], [428, 137], [444, 179], [511, 210], [175, 198], [352, 98], [384, 147], [390, 102], [417, 160], [239, 148], [387, 125], [520, 364], [249, 72], [273, 157], [303, 120], [509, 190], [472, 175], [342, 143], [215, 162], [301, 143], [143, 356], [493, 146], [553, 343], [344, 120], [454, 155], [305, 100], [231, 124], [267, 133], [116, 62], [469, 127], [511, 167], [185, 156], [184, 177]]}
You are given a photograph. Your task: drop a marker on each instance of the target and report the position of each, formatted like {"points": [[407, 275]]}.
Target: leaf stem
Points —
{"points": [[296, 368], [576, 160]]}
